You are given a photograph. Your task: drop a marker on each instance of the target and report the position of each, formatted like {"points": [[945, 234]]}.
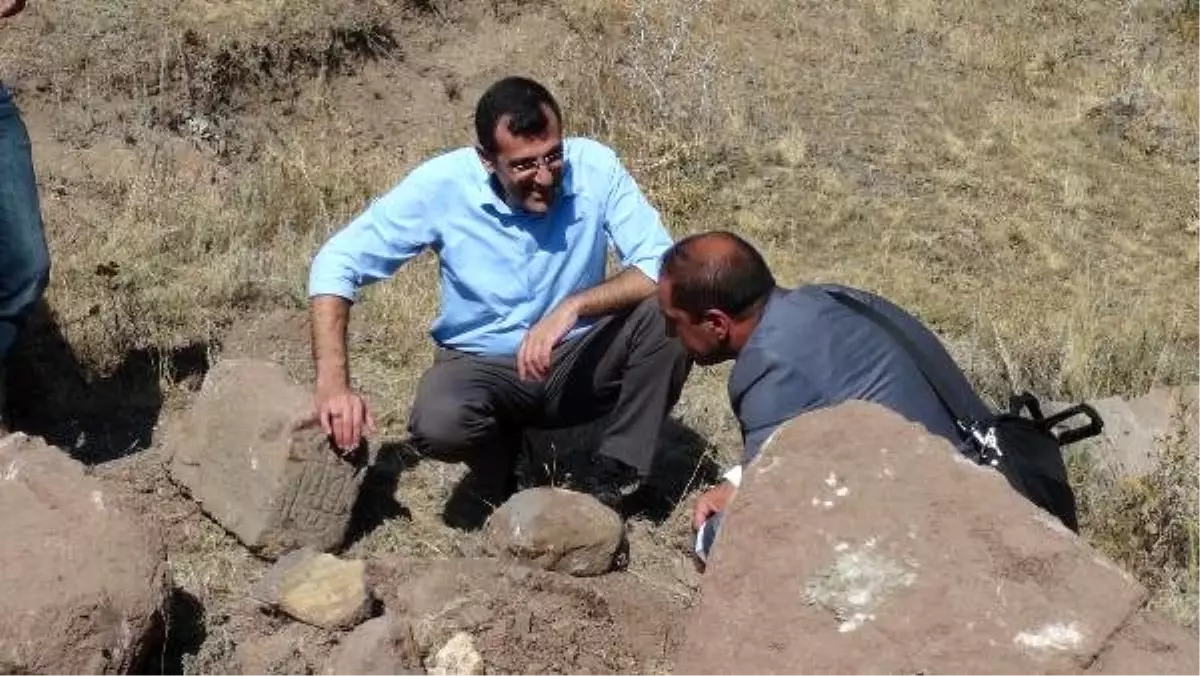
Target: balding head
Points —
{"points": [[717, 271], [712, 289]]}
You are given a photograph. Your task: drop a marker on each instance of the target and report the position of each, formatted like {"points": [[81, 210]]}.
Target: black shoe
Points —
{"points": [[475, 498], [612, 482]]}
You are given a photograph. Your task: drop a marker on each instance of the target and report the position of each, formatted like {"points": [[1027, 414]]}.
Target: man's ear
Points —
{"points": [[489, 161], [718, 323]]}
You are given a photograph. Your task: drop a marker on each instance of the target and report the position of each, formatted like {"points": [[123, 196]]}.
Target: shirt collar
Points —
{"points": [[489, 198]]}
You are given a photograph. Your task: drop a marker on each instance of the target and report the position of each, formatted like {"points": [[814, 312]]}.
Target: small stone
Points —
{"points": [[383, 645], [316, 588], [457, 658], [556, 529]]}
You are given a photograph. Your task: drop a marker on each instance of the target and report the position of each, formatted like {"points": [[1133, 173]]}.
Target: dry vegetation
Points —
{"points": [[1022, 174]]}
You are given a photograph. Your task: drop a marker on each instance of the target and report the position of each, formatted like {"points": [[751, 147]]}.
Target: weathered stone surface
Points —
{"points": [[1150, 644], [457, 658], [290, 649], [248, 452], [317, 588], [557, 529], [384, 645], [1134, 429], [83, 583], [859, 543]]}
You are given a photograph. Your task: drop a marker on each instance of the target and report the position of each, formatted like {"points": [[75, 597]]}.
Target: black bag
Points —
{"points": [[1022, 444]]}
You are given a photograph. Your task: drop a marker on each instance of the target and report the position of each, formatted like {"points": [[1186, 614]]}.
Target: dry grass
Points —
{"points": [[1021, 174], [1149, 523]]}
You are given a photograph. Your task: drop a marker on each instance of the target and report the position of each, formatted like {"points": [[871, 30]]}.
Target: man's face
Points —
{"points": [[529, 168], [706, 338]]}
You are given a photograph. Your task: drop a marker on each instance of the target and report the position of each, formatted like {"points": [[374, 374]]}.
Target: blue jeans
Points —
{"points": [[24, 258]]}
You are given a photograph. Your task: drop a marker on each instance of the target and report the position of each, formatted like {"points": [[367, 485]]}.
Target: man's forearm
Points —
{"points": [[330, 316], [623, 290]]}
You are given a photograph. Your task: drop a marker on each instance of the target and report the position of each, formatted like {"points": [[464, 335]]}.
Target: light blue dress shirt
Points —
{"points": [[501, 269]]}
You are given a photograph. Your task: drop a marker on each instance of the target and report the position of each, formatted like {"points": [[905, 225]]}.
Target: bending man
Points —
{"points": [[795, 350]]}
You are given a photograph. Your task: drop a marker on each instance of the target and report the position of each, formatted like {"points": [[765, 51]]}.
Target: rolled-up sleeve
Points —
{"points": [[375, 244], [634, 226]]}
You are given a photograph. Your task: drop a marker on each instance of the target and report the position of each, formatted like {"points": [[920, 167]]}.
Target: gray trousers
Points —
{"points": [[473, 409]]}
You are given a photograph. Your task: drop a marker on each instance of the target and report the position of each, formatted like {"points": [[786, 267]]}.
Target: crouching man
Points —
{"points": [[530, 332], [795, 350]]}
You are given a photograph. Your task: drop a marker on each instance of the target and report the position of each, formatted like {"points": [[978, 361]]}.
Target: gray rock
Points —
{"points": [[1135, 429], [249, 453], [556, 529]]}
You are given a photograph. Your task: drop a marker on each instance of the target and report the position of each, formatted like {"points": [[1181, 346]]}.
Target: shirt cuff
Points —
{"points": [[650, 267], [332, 287], [734, 476]]}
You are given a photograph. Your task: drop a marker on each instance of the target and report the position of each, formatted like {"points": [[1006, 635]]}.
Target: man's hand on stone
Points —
{"points": [[344, 415], [714, 500], [537, 349], [11, 8]]}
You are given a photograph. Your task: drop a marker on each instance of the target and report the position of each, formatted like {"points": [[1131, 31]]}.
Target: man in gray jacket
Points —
{"points": [[796, 350]]}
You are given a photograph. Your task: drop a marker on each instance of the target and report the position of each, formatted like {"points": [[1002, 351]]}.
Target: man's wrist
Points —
{"points": [[572, 304], [332, 379]]}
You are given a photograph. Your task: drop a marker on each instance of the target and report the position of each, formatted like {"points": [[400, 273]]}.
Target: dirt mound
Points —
{"points": [[524, 620]]}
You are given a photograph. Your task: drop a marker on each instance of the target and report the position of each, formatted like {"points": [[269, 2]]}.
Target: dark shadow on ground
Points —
{"points": [[94, 417], [183, 632], [376, 501], [684, 463]]}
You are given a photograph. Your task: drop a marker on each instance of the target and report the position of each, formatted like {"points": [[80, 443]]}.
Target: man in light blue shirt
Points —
{"points": [[530, 332]]}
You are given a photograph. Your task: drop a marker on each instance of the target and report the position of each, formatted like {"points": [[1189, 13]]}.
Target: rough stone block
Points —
{"points": [[83, 583], [1136, 429], [1150, 644], [859, 543], [258, 464]]}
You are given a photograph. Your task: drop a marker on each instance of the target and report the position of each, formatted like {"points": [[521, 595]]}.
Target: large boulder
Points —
{"points": [[250, 453], [859, 543], [83, 582], [557, 529]]}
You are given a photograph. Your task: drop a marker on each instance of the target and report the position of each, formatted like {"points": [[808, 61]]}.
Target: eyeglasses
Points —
{"points": [[550, 160]]}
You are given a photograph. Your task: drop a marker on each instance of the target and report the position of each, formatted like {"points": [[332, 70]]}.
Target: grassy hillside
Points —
{"points": [[1021, 174]]}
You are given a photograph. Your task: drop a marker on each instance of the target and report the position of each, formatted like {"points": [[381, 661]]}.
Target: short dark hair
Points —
{"points": [[520, 98], [717, 270]]}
